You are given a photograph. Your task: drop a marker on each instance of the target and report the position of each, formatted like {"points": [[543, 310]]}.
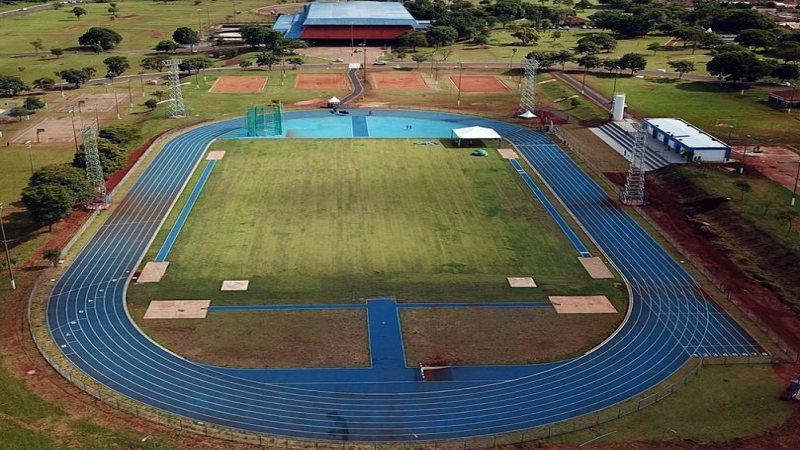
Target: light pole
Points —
{"points": [[74, 133], [150, 438], [511, 62], [744, 154], [141, 81], [199, 24], [130, 94], [796, 177], [116, 104], [460, 72], [30, 156], [5, 246]]}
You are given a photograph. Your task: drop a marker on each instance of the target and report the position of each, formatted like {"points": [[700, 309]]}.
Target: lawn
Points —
{"points": [[560, 94], [703, 104], [336, 221]]}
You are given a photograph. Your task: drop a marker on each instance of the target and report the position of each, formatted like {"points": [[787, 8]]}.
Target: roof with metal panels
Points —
{"points": [[357, 13]]}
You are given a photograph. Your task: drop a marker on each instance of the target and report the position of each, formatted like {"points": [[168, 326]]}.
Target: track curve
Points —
{"points": [[669, 321]]}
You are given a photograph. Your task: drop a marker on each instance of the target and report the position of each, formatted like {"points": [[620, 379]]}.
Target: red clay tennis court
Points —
{"points": [[321, 81], [397, 80], [238, 85], [476, 83]]}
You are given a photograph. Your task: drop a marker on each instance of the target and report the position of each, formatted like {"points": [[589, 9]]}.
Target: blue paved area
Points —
{"points": [[363, 306], [669, 321], [568, 231], [163, 252], [360, 127]]}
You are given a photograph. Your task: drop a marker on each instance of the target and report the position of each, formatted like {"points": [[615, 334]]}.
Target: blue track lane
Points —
{"points": [[668, 322]]}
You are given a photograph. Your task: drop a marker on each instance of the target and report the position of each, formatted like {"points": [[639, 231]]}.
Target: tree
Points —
{"points": [[159, 94], [195, 64], [526, 35], [256, 35], [75, 77], [743, 186], [116, 65], [583, 5], [37, 45], [123, 135], [156, 62], [294, 44], [48, 203], [787, 217], [654, 46], [267, 59], [587, 48], [738, 65], [44, 83], [419, 58], [71, 178], [786, 72], [57, 52], [103, 38], [112, 157], [53, 255], [562, 57], [441, 35], [756, 39], [413, 39], [611, 64], [78, 12], [186, 36], [11, 85], [545, 59], [603, 41], [245, 63], [633, 62], [588, 62], [682, 67], [33, 104], [626, 24], [18, 112], [151, 104], [166, 46], [481, 39], [298, 61]]}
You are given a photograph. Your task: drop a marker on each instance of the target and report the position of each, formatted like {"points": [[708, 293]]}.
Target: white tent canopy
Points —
{"points": [[334, 100], [527, 115], [474, 133]]}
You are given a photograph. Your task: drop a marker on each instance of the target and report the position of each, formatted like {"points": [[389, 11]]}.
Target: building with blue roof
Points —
{"points": [[353, 22]]}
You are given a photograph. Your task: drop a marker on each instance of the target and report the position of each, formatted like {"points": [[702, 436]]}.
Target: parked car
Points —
{"points": [[379, 63], [338, 60]]}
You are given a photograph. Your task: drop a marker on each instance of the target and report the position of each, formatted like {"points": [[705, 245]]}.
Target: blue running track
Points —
{"points": [[668, 322]]}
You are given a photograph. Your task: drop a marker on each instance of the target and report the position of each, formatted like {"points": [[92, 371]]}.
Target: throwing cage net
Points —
{"points": [[265, 120]]}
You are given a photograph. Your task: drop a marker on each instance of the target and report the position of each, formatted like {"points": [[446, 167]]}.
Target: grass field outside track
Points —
{"points": [[339, 220]]}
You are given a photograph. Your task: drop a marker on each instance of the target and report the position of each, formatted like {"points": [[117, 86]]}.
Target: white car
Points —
{"points": [[338, 60], [379, 63]]}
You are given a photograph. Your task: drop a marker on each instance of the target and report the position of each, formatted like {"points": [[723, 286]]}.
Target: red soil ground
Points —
{"points": [[475, 83], [238, 85], [397, 80], [776, 163], [321, 81]]}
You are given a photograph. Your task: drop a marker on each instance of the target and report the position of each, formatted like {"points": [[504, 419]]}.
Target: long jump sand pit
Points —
{"points": [[397, 80], [321, 81], [478, 83], [238, 85], [177, 309], [583, 304]]}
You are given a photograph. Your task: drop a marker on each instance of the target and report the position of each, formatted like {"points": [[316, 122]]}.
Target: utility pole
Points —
{"points": [[74, 133], [460, 72], [5, 246]]}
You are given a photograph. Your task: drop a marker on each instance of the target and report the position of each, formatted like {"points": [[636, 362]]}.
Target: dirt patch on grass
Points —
{"points": [[476, 83], [467, 336], [238, 85], [56, 129], [256, 339], [397, 80], [779, 164], [321, 81]]}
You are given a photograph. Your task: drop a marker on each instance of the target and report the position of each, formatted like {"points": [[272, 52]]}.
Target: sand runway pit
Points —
{"points": [[476, 83], [153, 272], [177, 309], [595, 267], [321, 81], [586, 304], [397, 80], [239, 85]]}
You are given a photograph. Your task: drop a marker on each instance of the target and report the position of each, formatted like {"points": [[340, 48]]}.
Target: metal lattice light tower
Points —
{"points": [[94, 171], [177, 108], [633, 193], [528, 99]]}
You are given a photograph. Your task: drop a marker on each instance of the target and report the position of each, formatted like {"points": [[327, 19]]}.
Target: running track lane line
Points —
{"points": [[551, 209], [187, 208]]}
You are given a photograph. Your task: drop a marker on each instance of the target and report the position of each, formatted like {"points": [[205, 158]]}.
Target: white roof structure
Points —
{"points": [[528, 115], [476, 133], [686, 133], [334, 100]]}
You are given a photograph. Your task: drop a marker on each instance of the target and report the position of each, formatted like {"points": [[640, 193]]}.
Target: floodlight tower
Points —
{"points": [[94, 171], [633, 193], [528, 98], [177, 109]]}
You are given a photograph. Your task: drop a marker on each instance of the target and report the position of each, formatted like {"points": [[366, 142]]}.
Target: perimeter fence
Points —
{"points": [[37, 307]]}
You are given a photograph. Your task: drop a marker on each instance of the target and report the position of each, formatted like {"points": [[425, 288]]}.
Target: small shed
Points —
{"points": [[787, 98], [474, 134], [333, 102], [679, 136]]}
